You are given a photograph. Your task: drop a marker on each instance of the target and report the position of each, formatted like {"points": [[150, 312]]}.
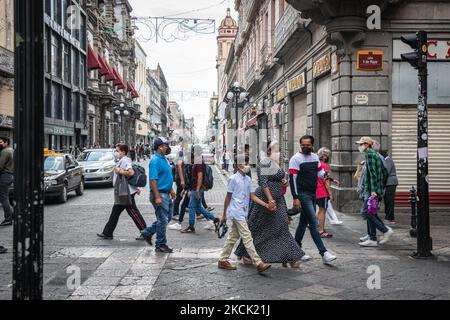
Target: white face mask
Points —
{"points": [[246, 169], [361, 148]]}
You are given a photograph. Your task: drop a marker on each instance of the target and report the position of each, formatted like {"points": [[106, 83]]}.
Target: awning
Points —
{"points": [[130, 88], [93, 62], [118, 82], [104, 69], [252, 122]]}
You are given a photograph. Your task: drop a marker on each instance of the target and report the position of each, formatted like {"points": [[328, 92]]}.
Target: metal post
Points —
{"points": [[424, 242], [413, 202], [28, 160], [236, 96]]}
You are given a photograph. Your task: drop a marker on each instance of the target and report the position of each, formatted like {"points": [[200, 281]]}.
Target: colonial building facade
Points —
{"points": [[315, 68]]}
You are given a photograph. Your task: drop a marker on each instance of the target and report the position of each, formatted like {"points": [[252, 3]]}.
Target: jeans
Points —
{"points": [[163, 216], [196, 206], [133, 212], [6, 180], [308, 216], [389, 202], [373, 221]]}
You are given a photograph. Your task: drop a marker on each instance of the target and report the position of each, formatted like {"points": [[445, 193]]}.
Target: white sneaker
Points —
{"points": [[368, 243], [210, 225], [336, 223], [305, 258], [385, 237], [175, 226], [328, 257], [365, 238]]}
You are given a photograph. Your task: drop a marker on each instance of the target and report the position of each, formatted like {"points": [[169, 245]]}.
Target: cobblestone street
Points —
{"points": [[128, 269]]}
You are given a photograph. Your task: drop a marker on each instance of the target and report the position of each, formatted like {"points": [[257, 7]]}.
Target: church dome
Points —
{"points": [[228, 22]]}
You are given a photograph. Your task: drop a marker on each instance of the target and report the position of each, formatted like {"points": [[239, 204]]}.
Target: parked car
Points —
{"points": [[98, 166], [62, 174]]}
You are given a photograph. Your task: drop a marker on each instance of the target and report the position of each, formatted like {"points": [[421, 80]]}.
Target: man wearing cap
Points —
{"points": [[161, 195], [372, 187]]}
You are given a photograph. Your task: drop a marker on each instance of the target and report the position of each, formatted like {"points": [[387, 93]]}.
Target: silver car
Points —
{"points": [[98, 166]]}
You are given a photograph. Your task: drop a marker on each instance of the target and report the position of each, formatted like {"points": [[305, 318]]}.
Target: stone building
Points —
{"points": [[316, 68], [6, 67], [142, 123]]}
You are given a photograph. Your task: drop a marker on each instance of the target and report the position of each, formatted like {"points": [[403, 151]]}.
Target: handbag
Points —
{"points": [[121, 191]]}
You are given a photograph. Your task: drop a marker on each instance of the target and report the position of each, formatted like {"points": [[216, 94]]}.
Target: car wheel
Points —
{"points": [[63, 196], [80, 190]]}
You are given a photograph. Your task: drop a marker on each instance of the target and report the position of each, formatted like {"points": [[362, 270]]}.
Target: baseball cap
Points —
{"points": [[158, 142], [367, 140]]}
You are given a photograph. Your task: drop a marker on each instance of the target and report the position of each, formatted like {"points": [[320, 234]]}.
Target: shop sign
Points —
{"points": [[59, 131], [361, 99], [296, 83], [322, 65], [281, 93], [369, 60]]}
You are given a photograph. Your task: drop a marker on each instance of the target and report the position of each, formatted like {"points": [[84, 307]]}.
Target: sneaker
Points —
{"points": [[140, 238], [385, 237], [101, 235], [210, 209], [175, 218], [6, 223], [175, 226], [189, 229], [305, 258], [390, 222], [336, 223], [368, 243], [164, 249], [148, 238], [328, 257], [365, 238]]}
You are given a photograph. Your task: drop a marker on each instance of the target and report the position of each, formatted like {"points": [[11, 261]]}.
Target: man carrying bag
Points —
{"points": [[124, 195]]}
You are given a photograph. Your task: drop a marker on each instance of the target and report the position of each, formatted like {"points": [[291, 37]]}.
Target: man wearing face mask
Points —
{"points": [[304, 170], [372, 187], [161, 195]]}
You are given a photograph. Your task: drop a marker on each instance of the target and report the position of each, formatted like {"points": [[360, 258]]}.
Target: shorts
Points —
{"points": [[323, 203]]}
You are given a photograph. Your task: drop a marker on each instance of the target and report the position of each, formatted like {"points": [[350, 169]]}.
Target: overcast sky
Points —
{"points": [[188, 65]]}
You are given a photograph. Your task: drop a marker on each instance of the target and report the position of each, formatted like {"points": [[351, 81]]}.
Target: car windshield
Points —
{"points": [[97, 156], [54, 164]]}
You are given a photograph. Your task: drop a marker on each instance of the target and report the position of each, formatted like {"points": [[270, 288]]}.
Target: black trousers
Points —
{"points": [[6, 180], [133, 212], [389, 202], [176, 204]]}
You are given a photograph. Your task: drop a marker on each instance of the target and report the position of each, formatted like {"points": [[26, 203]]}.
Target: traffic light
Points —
{"points": [[418, 42]]}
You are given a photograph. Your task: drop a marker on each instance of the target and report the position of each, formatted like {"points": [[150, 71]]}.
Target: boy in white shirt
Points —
{"points": [[239, 192]]}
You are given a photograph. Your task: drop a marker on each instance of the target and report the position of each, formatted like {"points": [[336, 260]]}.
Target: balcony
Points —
{"points": [[288, 31], [6, 63]]}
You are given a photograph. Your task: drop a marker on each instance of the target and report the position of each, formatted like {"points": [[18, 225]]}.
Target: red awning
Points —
{"points": [[118, 82], [252, 122], [104, 69], [133, 91], [93, 62]]}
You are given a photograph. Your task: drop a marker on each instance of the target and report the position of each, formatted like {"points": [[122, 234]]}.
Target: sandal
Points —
{"points": [[247, 261], [325, 234]]}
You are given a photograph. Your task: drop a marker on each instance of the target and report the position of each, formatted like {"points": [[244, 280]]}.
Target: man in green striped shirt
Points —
{"points": [[373, 187]]}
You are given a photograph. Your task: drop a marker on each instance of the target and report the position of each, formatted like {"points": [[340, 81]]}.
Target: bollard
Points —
{"points": [[413, 202]]}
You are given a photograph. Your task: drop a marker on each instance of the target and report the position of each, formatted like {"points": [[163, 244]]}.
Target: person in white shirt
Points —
{"points": [[236, 207]]}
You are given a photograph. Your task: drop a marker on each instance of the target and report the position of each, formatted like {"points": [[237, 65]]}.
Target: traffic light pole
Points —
{"points": [[28, 143], [424, 242]]}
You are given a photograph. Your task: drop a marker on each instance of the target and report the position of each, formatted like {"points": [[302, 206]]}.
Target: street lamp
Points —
{"points": [[121, 111], [240, 95]]}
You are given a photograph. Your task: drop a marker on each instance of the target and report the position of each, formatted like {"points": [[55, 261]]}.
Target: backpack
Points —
{"points": [[384, 171], [139, 178], [208, 180]]}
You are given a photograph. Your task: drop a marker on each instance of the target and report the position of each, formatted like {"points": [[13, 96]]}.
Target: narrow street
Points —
{"points": [[128, 269]]}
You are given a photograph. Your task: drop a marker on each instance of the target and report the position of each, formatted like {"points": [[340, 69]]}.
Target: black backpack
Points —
{"points": [[139, 178], [208, 180]]}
